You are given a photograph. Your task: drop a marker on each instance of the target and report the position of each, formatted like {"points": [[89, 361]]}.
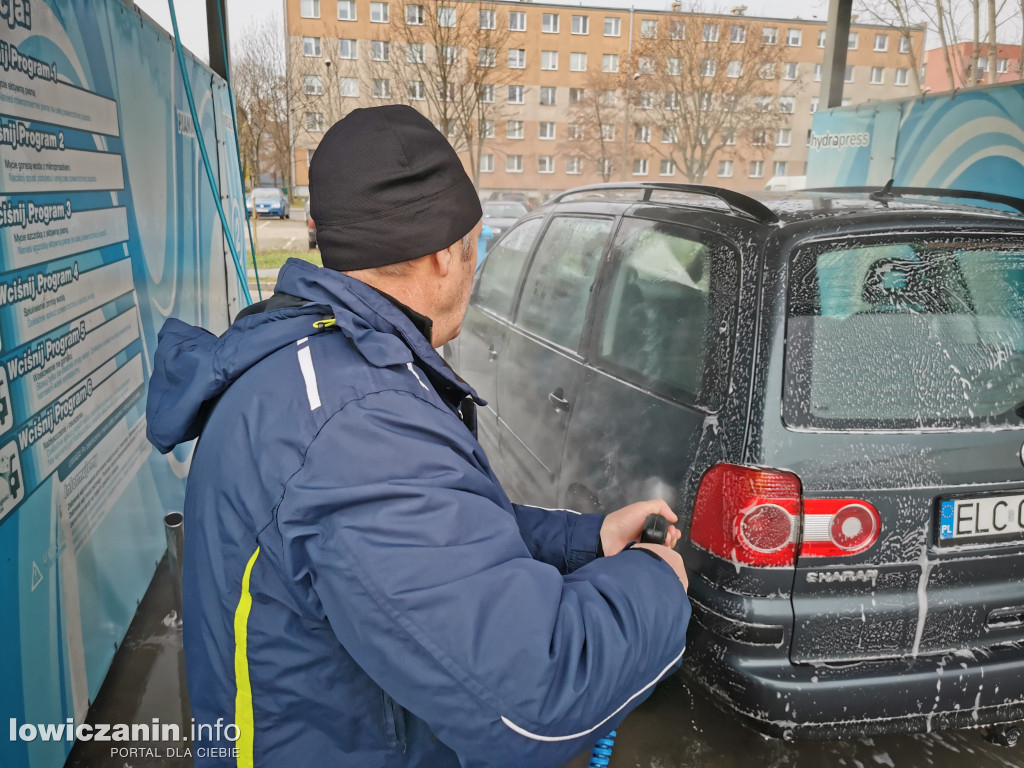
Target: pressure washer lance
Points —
{"points": [[655, 531]]}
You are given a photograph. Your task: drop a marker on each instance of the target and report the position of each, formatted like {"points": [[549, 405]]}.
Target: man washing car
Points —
{"points": [[359, 590]]}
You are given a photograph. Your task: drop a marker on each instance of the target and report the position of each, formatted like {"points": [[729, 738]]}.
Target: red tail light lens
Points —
{"points": [[748, 515], [838, 527]]}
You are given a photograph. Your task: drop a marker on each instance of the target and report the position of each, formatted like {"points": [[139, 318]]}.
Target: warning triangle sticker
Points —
{"points": [[37, 576]]}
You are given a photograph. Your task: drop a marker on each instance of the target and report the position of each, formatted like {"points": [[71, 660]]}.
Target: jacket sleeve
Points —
{"points": [[559, 537], [427, 582]]}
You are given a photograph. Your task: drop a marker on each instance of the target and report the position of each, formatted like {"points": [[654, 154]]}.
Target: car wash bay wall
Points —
{"points": [[108, 226]]}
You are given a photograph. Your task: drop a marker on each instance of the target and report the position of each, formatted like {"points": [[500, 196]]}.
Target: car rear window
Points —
{"points": [[906, 335]]}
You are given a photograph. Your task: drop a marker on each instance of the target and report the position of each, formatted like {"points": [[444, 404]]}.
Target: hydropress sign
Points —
{"points": [[829, 140], [151, 733]]}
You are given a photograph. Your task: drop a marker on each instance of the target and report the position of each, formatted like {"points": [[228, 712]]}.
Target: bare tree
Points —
{"points": [[258, 79], [901, 16], [595, 115], [708, 85]]}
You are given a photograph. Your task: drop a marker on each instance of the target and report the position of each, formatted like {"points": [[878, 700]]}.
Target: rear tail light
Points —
{"points": [[757, 517]]}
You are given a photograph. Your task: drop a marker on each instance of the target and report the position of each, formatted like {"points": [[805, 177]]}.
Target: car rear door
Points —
{"points": [[904, 361], [540, 369]]}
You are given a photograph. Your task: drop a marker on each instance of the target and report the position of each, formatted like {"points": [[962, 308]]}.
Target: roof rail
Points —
{"points": [[889, 192], [737, 201]]}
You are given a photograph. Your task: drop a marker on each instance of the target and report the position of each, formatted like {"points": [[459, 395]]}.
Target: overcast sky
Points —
{"points": [[192, 13]]}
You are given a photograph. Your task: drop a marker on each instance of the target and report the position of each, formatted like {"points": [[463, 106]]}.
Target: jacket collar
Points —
{"points": [[382, 333]]}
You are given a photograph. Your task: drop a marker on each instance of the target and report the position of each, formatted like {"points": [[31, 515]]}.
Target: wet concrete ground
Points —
{"points": [[678, 727]]}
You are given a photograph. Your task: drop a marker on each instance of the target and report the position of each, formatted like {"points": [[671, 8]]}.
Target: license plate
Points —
{"points": [[981, 519]]}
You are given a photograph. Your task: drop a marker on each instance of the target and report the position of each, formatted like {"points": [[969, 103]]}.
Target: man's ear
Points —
{"points": [[442, 262]]}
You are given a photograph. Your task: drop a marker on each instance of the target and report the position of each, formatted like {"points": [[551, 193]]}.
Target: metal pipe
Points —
{"points": [[174, 527]]}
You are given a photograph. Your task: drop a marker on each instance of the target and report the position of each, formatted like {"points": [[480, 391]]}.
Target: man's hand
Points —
{"points": [[625, 525], [671, 557]]}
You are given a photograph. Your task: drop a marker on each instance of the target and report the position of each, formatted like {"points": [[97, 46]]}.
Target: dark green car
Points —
{"points": [[827, 387]]}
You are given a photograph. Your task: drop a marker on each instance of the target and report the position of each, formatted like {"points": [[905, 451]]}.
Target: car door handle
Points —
{"points": [[492, 353], [557, 399]]}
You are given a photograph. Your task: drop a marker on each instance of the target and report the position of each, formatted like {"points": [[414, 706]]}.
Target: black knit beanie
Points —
{"points": [[386, 186]]}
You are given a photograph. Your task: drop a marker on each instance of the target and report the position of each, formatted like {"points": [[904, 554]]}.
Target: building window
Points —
{"points": [[346, 10], [576, 96], [514, 164], [549, 23], [756, 169], [759, 138], [822, 38], [350, 87], [578, 62], [517, 58], [667, 168], [574, 132], [546, 164], [735, 68], [787, 105], [877, 75], [581, 25], [450, 54], [815, 101], [309, 9], [669, 134], [416, 91], [607, 133], [881, 42], [414, 15], [446, 16], [445, 91], [904, 44], [549, 60], [780, 168], [817, 73], [382, 88], [767, 71], [725, 169], [849, 74], [764, 103], [1002, 66], [710, 33], [649, 28], [547, 131], [794, 37], [487, 57], [674, 65], [311, 46], [784, 138], [854, 41], [486, 94], [645, 100], [612, 26], [610, 62], [639, 166], [514, 129], [486, 163], [672, 100], [314, 85], [642, 134], [902, 75], [645, 65], [737, 33], [348, 49], [677, 30], [609, 98], [487, 129], [789, 70], [517, 21], [574, 166], [488, 19], [314, 121], [770, 36], [380, 50], [379, 13], [707, 67], [414, 53], [309, 157], [547, 95], [605, 167]]}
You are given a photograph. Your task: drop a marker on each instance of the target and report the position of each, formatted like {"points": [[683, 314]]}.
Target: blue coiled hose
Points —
{"points": [[602, 753]]}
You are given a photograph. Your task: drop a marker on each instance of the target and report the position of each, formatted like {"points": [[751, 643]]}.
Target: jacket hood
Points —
{"points": [[193, 367]]}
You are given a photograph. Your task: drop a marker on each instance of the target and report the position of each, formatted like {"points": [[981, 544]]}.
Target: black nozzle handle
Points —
{"points": [[655, 530]]}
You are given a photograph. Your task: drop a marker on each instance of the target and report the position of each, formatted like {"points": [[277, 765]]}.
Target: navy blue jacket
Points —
{"points": [[358, 589]]}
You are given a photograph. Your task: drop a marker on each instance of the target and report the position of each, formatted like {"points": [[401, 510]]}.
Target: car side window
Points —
{"points": [[657, 310], [557, 288], [496, 286]]}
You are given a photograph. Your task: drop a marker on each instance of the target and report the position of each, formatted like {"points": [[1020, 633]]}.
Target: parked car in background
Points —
{"points": [[310, 227], [500, 215], [268, 201], [828, 389]]}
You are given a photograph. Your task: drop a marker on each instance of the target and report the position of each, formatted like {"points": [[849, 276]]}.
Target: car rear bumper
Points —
{"points": [[758, 683]]}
